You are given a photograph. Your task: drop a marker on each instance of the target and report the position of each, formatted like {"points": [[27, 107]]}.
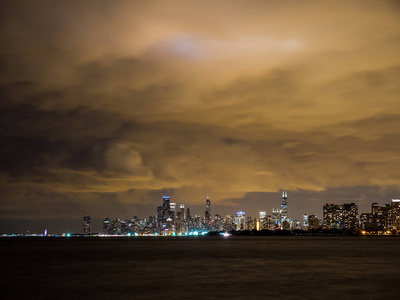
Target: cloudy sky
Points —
{"points": [[103, 103]]}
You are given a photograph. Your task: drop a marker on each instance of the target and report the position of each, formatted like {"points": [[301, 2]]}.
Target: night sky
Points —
{"points": [[105, 103]]}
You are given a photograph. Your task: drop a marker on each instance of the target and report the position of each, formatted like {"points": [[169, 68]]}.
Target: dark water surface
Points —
{"points": [[200, 268]]}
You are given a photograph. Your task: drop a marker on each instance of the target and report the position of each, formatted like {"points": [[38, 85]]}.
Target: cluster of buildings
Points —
{"points": [[171, 220], [382, 219]]}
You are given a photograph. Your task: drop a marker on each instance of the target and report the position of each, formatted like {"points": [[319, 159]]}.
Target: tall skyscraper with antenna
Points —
{"points": [[166, 207], [284, 209]]}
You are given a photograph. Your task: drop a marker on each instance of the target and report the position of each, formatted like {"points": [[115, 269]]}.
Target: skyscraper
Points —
{"points": [[160, 213], [344, 216], [166, 207], [240, 220], [263, 216], [284, 208], [350, 216], [172, 211], [189, 220], [276, 222], [382, 219], [296, 225], [331, 216], [182, 211], [86, 224], [116, 226], [305, 222], [396, 214], [207, 215], [365, 220], [106, 226], [313, 223]]}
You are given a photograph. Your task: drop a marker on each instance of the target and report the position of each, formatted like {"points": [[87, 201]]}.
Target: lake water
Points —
{"points": [[201, 268]]}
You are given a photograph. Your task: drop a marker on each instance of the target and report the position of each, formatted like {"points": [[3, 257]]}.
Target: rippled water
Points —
{"points": [[201, 268]]}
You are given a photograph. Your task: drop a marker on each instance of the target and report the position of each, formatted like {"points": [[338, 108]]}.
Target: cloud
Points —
{"points": [[113, 158], [110, 102]]}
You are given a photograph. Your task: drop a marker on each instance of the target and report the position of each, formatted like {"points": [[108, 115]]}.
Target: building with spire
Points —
{"points": [[166, 207], [284, 209]]}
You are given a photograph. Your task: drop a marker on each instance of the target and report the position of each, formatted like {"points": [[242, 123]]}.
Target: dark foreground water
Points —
{"points": [[200, 268]]}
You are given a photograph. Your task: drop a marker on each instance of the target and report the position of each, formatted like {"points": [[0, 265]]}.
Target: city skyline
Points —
{"points": [[180, 219], [258, 201], [344, 218], [105, 103]]}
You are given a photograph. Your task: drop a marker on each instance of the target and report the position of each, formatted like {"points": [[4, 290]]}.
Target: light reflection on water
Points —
{"points": [[202, 268]]}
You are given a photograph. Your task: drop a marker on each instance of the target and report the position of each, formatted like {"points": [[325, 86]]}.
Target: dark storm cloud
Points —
{"points": [[40, 147], [104, 104], [112, 157]]}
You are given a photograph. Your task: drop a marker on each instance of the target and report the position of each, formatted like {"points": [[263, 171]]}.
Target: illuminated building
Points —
{"points": [[172, 211], [268, 223], [305, 222], [350, 216], [313, 223], [228, 224], [197, 223], [207, 215], [296, 225], [106, 226], [250, 223], [132, 226], [396, 214], [332, 216], [263, 220], [284, 209], [169, 226], [374, 208], [123, 227], [276, 219], [189, 220], [151, 225], [182, 211], [381, 217], [365, 221], [286, 224], [240, 220], [86, 224], [343, 216], [160, 213], [116, 226], [216, 224], [375, 218], [166, 208]]}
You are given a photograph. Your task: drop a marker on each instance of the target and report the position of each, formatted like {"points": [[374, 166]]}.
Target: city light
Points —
{"points": [[337, 218]]}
